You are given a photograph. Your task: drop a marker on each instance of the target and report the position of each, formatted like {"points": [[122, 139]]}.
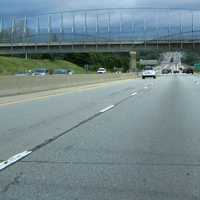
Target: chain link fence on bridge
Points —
{"points": [[102, 26]]}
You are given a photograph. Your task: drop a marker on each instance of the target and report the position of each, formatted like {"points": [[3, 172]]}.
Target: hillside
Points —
{"points": [[11, 65]]}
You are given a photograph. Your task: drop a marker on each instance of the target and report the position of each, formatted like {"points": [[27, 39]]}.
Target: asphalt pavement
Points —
{"points": [[136, 139]]}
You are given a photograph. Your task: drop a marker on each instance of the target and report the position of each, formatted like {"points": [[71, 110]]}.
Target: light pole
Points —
{"points": [[181, 30], [85, 22], [193, 42], [13, 29]]}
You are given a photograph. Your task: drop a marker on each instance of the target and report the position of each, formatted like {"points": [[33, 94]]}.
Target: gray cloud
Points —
{"points": [[189, 4], [24, 7]]}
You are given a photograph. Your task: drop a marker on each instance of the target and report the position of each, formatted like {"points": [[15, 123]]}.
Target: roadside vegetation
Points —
{"points": [[77, 62], [191, 57], [12, 65], [111, 61]]}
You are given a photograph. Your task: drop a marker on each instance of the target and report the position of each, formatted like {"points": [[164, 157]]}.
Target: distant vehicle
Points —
{"points": [[40, 72], [118, 72], [22, 74], [188, 71], [165, 71], [101, 71], [60, 72], [170, 70], [176, 72], [148, 72], [70, 72]]}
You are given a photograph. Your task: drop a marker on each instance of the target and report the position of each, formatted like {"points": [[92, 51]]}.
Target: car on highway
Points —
{"points": [[40, 72], [176, 71], [101, 70], [165, 71], [170, 71], [20, 74], [70, 72], [188, 70], [62, 72], [148, 72]]}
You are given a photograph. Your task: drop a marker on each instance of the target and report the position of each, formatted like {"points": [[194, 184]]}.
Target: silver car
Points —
{"points": [[40, 72]]}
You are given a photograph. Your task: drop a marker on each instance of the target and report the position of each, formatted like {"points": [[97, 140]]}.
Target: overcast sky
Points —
{"points": [[24, 7]]}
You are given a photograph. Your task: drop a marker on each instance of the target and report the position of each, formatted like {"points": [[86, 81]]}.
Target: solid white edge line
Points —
{"points": [[107, 108], [14, 159], [133, 94]]}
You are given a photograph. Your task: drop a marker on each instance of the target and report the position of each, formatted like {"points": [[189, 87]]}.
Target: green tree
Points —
{"points": [[191, 57]]}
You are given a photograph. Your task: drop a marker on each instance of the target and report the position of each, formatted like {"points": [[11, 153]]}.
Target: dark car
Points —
{"points": [[180, 68], [60, 72], [165, 71], [176, 71], [170, 70], [188, 71]]}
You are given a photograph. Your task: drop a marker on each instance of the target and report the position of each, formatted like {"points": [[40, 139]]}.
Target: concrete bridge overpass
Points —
{"points": [[100, 30], [85, 47]]}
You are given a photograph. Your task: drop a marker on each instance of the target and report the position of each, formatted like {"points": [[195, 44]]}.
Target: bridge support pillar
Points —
{"points": [[132, 63]]}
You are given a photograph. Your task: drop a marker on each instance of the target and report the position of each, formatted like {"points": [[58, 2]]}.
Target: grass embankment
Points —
{"points": [[12, 65]]}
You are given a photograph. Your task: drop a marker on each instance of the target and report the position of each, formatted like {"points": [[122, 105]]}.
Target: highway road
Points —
{"points": [[134, 139], [167, 64]]}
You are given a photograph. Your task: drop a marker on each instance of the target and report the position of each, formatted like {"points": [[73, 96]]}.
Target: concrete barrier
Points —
{"points": [[12, 85]]}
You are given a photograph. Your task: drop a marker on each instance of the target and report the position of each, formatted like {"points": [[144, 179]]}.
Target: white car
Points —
{"points": [[101, 71], [148, 72]]}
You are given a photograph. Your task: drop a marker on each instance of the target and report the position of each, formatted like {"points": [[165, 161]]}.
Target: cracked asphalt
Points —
{"points": [[144, 147]]}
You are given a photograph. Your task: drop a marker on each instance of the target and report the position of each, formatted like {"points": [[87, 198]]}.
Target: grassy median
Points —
{"points": [[12, 65]]}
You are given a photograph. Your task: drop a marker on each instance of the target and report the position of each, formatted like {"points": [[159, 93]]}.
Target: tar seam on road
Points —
{"points": [[46, 142], [114, 163], [20, 156]]}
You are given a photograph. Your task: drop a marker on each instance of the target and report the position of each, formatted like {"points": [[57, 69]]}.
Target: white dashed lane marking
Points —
{"points": [[14, 159], [133, 94], [107, 108]]}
